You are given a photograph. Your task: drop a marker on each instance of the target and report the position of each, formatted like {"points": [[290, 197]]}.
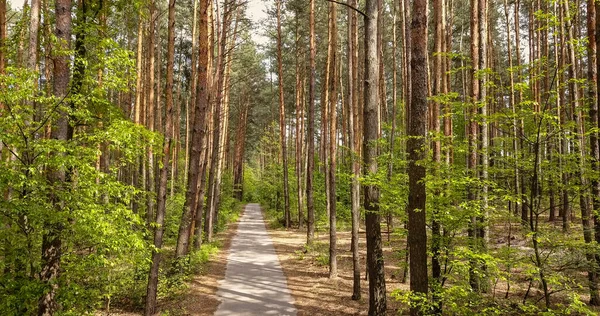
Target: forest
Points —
{"points": [[443, 156]]}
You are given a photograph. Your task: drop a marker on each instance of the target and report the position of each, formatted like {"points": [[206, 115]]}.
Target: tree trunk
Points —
{"points": [[595, 150], [198, 137], [151, 112], [34, 27], [483, 104], [282, 124], [299, 127], [353, 144], [240, 146], [332, 139], [377, 290], [164, 171], [2, 51], [472, 129], [586, 212], [417, 130], [213, 181], [61, 131], [438, 77], [310, 206]]}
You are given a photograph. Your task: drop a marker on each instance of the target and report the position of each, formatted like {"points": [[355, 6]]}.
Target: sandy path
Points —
{"points": [[254, 283]]}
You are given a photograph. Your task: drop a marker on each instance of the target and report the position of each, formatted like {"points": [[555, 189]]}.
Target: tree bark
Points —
{"points": [[299, 127], [377, 290], [310, 206], [34, 27], [416, 132], [61, 131], [164, 171], [332, 140], [197, 137], [354, 144], [282, 124], [472, 129]]}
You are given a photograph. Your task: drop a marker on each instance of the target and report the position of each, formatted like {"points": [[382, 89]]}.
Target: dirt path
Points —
{"points": [[254, 283]]}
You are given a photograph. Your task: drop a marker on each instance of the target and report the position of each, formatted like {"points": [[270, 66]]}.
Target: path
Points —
{"points": [[254, 283]]}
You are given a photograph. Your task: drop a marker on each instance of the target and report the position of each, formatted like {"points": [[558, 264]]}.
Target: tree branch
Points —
{"points": [[349, 6]]}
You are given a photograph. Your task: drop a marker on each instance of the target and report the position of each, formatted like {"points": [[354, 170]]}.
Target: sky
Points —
{"points": [[256, 12], [16, 3]]}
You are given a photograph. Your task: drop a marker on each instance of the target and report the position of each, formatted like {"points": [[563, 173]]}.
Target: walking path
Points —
{"points": [[254, 283]]}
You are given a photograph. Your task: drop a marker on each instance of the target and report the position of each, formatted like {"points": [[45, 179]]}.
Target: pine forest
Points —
{"points": [[299, 157]]}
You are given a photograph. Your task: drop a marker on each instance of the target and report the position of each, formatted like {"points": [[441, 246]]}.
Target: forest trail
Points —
{"points": [[254, 283]]}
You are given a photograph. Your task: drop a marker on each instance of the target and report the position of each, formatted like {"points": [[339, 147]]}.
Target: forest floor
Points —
{"points": [[307, 273], [201, 296]]}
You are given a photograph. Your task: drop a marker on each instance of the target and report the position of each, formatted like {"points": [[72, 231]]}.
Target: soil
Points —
{"points": [[308, 279]]}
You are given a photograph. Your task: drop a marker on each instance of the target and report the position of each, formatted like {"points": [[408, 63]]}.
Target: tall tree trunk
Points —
{"points": [[240, 146], [310, 206], [483, 105], [417, 130], [438, 78], [151, 184], [164, 170], [472, 129], [224, 124], [377, 290], [282, 124], [595, 150], [519, 206], [333, 100], [354, 144], [61, 131], [139, 60], [2, 50], [193, 84], [332, 139], [213, 181], [198, 137], [299, 127]]}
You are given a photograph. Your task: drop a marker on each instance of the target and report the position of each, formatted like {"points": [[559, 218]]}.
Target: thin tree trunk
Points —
{"points": [[595, 145], [482, 229], [438, 78], [332, 139], [194, 82], [151, 111], [353, 144], [2, 54], [282, 124], [164, 171], [310, 206], [299, 128], [472, 128]]}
